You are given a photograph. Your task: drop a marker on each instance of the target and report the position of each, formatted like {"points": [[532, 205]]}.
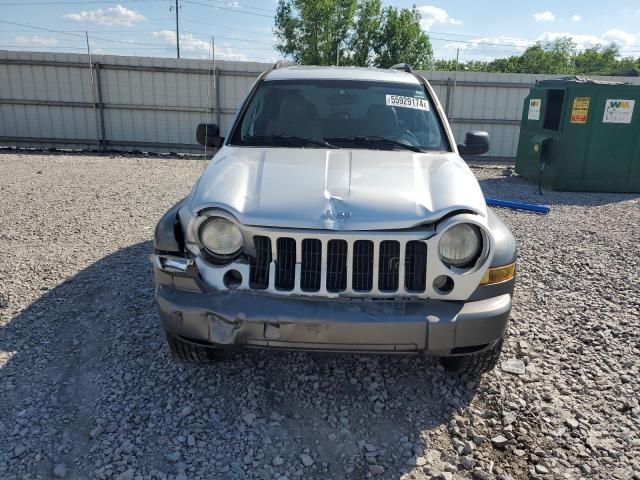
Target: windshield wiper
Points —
{"points": [[290, 139], [374, 139]]}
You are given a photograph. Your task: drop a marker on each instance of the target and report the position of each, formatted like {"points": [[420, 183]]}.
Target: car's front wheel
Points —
{"points": [[475, 363], [189, 352]]}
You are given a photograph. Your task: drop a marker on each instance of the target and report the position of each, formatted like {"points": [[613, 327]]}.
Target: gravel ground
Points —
{"points": [[88, 389]]}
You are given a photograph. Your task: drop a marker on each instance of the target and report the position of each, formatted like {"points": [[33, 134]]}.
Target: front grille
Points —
{"points": [[356, 267], [336, 265], [415, 271], [388, 266], [286, 264], [310, 270], [259, 273], [362, 265]]}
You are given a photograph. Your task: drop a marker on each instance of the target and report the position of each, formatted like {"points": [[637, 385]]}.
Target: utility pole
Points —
{"points": [[177, 30], [93, 89]]}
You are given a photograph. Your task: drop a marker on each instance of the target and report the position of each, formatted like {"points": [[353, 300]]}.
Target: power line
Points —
{"points": [[193, 2], [256, 42], [225, 27], [241, 7], [27, 4], [141, 44], [44, 48], [479, 37], [41, 28]]}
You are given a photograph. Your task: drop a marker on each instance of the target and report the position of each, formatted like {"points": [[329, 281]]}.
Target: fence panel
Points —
{"points": [[153, 104]]}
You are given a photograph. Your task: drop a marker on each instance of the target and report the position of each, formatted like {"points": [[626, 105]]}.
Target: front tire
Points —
{"points": [[189, 352], [474, 364]]}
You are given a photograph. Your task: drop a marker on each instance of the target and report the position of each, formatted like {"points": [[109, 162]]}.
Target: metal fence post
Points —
{"points": [[447, 102], [218, 109], [103, 139]]}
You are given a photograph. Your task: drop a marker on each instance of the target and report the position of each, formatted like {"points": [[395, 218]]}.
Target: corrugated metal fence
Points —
{"points": [[154, 104]]}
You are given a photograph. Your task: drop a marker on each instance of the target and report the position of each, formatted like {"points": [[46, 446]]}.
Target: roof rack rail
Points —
{"points": [[402, 66], [282, 63]]}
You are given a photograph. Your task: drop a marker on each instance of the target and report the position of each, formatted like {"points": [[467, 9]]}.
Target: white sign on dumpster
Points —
{"points": [[534, 109], [618, 111]]}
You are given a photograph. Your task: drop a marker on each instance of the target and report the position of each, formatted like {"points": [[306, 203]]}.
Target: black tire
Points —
{"points": [[189, 352], [474, 364]]}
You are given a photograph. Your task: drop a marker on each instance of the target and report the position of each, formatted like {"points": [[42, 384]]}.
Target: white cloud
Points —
{"points": [[620, 37], [616, 36], [432, 15], [576, 18], [117, 15], [492, 42], [34, 41], [545, 16], [189, 43]]}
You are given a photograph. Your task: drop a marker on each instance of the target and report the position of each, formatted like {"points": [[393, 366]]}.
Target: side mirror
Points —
{"points": [[208, 134], [475, 143]]}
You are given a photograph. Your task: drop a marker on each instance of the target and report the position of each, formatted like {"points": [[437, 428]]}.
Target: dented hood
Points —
{"points": [[337, 189]]}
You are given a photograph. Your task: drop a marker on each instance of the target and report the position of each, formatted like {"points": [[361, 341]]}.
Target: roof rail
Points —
{"points": [[402, 66], [282, 63]]}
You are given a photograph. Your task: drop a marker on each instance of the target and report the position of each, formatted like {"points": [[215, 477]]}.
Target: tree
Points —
{"points": [[627, 66], [557, 57], [366, 32], [351, 32], [402, 40], [314, 32], [598, 59], [554, 57]]}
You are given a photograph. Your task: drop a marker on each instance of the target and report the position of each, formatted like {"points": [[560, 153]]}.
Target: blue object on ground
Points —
{"points": [[531, 207]]}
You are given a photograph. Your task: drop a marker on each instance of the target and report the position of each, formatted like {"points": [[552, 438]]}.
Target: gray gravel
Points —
{"points": [[88, 389]]}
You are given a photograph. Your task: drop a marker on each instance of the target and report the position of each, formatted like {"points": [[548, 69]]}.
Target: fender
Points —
{"points": [[168, 237]]}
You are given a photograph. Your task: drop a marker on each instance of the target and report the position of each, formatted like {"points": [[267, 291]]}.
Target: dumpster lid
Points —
{"points": [[578, 79]]}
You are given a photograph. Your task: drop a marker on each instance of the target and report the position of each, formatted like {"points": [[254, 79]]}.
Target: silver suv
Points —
{"points": [[337, 215]]}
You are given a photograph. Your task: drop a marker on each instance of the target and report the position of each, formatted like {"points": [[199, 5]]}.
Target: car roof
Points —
{"points": [[341, 73]]}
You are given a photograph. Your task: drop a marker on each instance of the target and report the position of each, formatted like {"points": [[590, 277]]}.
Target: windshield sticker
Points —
{"points": [[618, 111], [407, 102]]}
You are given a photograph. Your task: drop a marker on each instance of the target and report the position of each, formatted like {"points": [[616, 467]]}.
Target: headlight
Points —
{"points": [[460, 245], [221, 238]]}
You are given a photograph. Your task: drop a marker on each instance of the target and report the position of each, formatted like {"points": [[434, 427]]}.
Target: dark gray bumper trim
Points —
{"points": [[234, 319]]}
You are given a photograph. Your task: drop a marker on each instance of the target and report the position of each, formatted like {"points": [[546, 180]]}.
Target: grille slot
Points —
{"points": [[415, 273], [362, 279], [310, 270], [388, 266], [337, 265], [286, 263], [259, 271]]}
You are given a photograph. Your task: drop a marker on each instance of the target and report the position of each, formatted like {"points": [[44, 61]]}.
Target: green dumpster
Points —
{"points": [[579, 134]]}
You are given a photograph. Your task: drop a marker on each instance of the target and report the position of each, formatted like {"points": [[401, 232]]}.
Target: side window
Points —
{"points": [[553, 112]]}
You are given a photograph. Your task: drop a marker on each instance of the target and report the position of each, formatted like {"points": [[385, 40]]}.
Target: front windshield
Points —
{"points": [[340, 114]]}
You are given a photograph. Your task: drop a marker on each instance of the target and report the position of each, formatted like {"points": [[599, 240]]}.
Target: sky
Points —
{"points": [[242, 29]]}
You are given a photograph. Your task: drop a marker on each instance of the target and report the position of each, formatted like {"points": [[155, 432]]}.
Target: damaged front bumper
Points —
{"points": [[243, 318]]}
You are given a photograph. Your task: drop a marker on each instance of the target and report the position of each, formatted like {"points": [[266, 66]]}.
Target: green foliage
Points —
{"points": [[559, 57], [366, 32], [402, 40], [312, 31], [363, 33], [353, 32], [554, 57]]}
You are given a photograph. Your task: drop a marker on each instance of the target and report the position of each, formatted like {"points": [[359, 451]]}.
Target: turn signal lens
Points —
{"points": [[498, 274]]}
